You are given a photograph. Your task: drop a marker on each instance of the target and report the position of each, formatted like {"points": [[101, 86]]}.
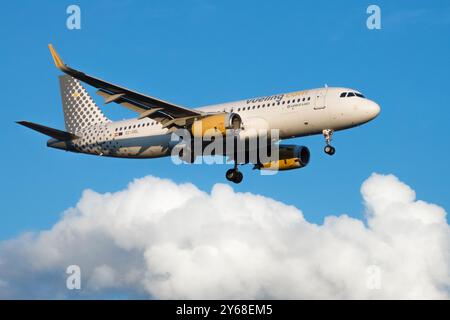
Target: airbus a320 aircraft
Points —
{"points": [[297, 114]]}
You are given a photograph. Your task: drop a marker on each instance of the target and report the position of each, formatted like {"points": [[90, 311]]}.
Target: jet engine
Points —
{"points": [[289, 157], [215, 124]]}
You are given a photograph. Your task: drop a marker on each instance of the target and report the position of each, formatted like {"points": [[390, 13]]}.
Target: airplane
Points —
{"points": [[150, 135]]}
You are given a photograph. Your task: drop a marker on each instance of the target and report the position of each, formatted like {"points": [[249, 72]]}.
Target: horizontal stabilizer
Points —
{"points": [[54, 133]]}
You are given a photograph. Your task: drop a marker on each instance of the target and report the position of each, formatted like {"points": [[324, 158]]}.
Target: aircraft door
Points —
{"points": [[320, 99]]}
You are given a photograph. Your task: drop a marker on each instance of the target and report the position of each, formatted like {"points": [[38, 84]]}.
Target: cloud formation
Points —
{"points": [[159, 239]]}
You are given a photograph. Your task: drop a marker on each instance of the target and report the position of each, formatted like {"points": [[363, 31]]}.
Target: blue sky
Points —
{"points": [[202, 52]]}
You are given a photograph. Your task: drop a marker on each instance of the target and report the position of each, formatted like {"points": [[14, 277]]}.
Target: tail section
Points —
{"points": [[80, 110]]}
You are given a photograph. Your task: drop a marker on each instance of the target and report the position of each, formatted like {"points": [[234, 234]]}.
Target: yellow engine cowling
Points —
{"points": [[289, 157], [215, 124]]}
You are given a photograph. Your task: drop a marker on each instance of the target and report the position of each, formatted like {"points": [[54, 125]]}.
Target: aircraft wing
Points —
{"points": [[146, 106]]}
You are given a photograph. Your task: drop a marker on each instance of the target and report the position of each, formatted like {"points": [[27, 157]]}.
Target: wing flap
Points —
{"points": [[117, 99]]}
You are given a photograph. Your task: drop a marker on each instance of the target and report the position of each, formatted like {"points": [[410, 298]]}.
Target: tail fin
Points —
{"points": [[54, 133], [80, 110]]}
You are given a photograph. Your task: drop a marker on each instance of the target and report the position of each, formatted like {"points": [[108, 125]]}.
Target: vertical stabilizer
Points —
{"points": [[80, 110]]}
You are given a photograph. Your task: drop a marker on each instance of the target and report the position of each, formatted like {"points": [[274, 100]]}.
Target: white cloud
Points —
{"points": [[159, 239]]}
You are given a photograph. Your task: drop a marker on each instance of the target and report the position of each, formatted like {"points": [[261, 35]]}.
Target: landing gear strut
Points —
{"points": [[328, 135], [234, 175]]}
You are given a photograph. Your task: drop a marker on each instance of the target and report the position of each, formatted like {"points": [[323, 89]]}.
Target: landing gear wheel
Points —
{"points": [[238, 177], [329, 150], [230, 175], [234, 176]]}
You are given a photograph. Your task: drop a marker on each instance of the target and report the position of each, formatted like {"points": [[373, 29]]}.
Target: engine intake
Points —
{"points": [[214, 124]]}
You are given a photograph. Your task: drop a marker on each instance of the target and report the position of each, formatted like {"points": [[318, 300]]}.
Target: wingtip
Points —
{"points": [[23, 123], [56, 58]]}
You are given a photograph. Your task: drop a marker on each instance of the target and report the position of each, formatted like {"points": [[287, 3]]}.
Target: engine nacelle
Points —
{"points": [[289, 157], [215, 124]]}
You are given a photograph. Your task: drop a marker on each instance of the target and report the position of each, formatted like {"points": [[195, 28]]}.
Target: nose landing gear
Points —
{"points": [[329, 150], [328, 135]]}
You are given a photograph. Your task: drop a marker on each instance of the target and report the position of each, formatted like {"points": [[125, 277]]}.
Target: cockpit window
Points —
{"points": [[351, 94]]}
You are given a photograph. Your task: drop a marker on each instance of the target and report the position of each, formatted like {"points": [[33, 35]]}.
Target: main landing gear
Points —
{"points": [[328, 134], [234, 175]]}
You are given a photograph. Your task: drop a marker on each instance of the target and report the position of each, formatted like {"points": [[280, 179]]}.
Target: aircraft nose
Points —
{"points": [[373, 109]]}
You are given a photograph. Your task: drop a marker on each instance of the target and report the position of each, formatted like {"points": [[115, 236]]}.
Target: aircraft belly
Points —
{"points": [[136, 147], [145, 147]]}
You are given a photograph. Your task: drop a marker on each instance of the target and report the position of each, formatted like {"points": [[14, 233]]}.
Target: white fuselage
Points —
{"points": [[294, 114]]}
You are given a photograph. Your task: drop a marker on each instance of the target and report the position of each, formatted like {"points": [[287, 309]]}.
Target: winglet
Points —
{"points": [[56, 58]]}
